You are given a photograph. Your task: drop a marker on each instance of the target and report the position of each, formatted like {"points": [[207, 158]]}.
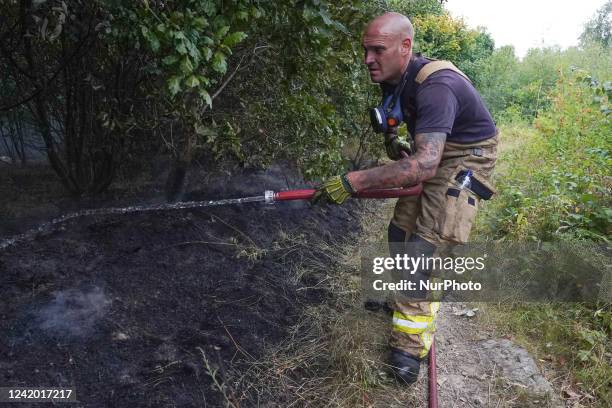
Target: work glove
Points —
{"points": [[335, 190], [395, 146]]}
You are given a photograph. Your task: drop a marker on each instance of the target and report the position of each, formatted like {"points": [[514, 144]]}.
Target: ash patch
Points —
{"points": [[73, 312], [227, 281]]}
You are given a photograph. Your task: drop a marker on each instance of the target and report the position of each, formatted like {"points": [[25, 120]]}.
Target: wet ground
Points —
{"points": [[154, 309]]}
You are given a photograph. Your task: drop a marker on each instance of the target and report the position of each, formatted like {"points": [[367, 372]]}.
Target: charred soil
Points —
{"points": [[155, 309]]}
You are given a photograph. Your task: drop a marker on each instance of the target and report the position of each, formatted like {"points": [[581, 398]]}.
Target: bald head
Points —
{"points": [[387, 42], [391, 23]]}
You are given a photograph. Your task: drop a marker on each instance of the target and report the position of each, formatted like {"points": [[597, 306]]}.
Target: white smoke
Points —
{"points": [[73, 312]]}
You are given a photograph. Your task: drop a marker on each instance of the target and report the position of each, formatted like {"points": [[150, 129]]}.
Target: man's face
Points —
{"points": [[385, 54]]}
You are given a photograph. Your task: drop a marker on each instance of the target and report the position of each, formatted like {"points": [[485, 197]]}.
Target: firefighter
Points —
{"points": [[453, 144]]}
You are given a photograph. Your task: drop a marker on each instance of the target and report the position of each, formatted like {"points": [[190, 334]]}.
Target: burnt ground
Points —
{"points": [[129, 309]]}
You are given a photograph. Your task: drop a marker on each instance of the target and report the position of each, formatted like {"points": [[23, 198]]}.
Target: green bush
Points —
{"points": [[558, 182], [553, 181]]}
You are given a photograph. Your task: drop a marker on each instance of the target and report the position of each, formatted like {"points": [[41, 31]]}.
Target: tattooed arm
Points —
{"points": [[407, 171]]}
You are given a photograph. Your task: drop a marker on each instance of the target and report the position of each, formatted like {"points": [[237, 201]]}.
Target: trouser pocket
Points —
{"points": [[459, 214]]}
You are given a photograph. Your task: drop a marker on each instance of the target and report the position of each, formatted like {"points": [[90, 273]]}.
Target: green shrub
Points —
{"points": [[553, 181], [558, 182]]}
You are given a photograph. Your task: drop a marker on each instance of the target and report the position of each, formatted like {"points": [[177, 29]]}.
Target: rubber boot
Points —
{"points": [[404, 366]]}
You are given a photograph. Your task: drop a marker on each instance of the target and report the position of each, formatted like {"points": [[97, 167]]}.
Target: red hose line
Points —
{"points": [[306, 194], [433, 376], [390, 192]]}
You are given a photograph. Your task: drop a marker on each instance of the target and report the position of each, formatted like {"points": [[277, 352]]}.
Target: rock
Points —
{"points": [[518, 367], [478, 370], [119, 336], [466, 312]]}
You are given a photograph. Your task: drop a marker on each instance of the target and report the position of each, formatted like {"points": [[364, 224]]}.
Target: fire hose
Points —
{"points": [[307, 194], [433, 376]]}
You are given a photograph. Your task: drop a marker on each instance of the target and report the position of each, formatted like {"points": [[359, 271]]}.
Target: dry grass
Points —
{"points": [[335, 354]]}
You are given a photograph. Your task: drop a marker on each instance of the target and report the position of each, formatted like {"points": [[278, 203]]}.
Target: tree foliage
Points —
{"points": [[598, 30], [415, 8], [234, 81], [79, 89], [517, 90]]}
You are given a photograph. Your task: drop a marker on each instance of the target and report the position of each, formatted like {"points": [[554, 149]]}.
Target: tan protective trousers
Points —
{"points": [[439, 218]]}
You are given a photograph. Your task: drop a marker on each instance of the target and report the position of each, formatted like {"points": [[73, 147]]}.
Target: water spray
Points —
{"points": [[269, 197]]}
